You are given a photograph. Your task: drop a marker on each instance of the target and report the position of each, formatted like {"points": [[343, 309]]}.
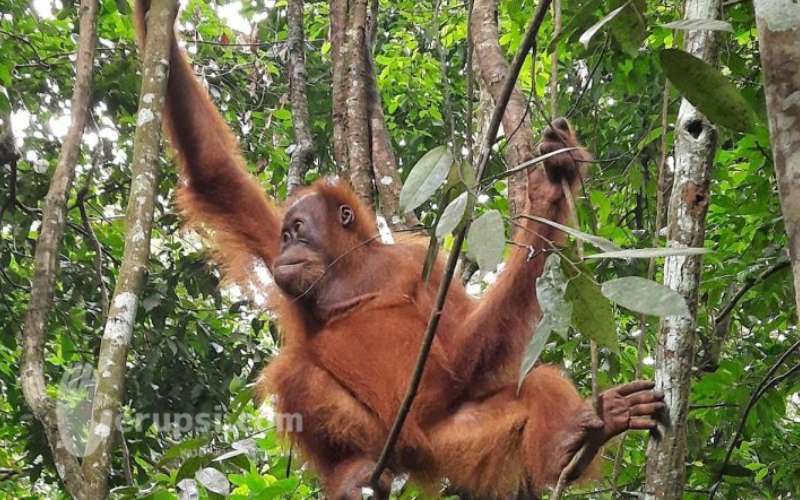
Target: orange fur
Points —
{"points": [[345, 366]]}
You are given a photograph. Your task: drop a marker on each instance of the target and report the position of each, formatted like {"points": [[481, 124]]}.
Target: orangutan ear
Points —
{"points": [[346, 215]]}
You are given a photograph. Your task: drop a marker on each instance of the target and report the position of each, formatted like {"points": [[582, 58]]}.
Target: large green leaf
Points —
{"points": [[486, 240], [707, 89], [645, 296], [556, 313], [587, 35], [592, 314], [213, 480], [699, 24], [648, 253], [183, 448], [452, 215], [425, 178], [599, 242], [629, 27]]}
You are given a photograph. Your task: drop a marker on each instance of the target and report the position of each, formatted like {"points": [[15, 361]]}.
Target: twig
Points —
{"points": [[563, 478], [452, 260], [762, 387], [526, 165], [589, 79], [126, 455], [554, 60], [448, 109], [748, 284], [470, 87], [713, 405], [91, 236]]}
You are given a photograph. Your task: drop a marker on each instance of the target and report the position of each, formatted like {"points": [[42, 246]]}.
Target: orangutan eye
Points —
{"points": [[297, 225], [286, 236]]}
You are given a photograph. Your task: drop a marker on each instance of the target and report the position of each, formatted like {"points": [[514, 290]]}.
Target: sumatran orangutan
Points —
{"points": [[353, 311]]}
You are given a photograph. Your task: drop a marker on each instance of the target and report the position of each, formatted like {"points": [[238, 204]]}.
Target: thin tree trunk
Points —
{"points": [[303, 154], [779, 36], [696, 141], [384, 164], [9, 155], [339, 55], [516, 120], [138, 222], [358, 130], [8, 148], [554, 61], [45, 262], [362, 146]]}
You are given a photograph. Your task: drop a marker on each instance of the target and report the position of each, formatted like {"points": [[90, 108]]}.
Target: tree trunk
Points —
{"points": [[516, 119], [303, 153], [362, 146], [138, 222], [779, 36], [9, 155], [45, 263], [694, 154]]}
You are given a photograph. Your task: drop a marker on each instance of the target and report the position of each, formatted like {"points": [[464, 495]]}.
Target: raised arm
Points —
{"points": [[502, 324], [217, 191]]}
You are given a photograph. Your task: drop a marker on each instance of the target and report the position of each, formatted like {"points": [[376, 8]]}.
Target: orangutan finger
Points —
{"points": [[642, 423], [635, 386]]}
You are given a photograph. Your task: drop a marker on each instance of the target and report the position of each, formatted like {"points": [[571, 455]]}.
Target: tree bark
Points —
{"points": [[45, 262], [694, 154], [339, 54], [362, 147], [358, 131], [9, 155], [384, 164], [779, 36], [303, 153], [8, 148], [138, 222], [516, 120]]}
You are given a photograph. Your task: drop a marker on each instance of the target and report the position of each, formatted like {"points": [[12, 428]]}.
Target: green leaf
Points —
{"points": [[486, 240], [281, 488], [592, 314], [587, 35], [214, 480], [599, 242], [123, 7], [699, 24], [425, 178], [181, 448], [648, 253], [707, 89], [191, 465], [629, 27], [579, 19], [645, 296], [556, 313], [452, 215], [282, 114], [533, 351]]}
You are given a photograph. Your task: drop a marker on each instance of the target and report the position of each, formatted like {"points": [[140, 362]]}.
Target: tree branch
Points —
{"points": [[102, 150], [54, 216], [749, 283], [763, 386], [121, 316], [303, 153]]}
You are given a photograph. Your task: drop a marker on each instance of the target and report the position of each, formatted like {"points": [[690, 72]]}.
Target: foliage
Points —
{"points": [[197, 350]]}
